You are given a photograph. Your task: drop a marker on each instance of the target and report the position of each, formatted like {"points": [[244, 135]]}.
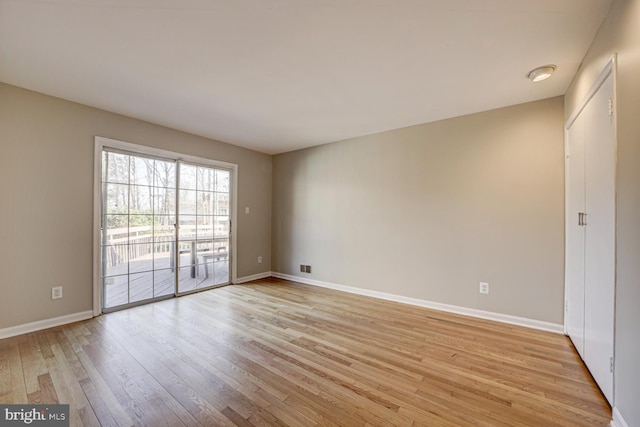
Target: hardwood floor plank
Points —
{"points": [[44, 344], [298, 388], [32, 361], [236, 418], [5, 376], [122, 375], [102, 392], [265, 418], [173, 374], [86, 417], [34, 398], [100, 408], [68, 383], [47, 389], [17, 392], [274, 352], [58, 337]]}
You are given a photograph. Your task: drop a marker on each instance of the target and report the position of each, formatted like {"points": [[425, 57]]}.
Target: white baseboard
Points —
{"points": [[253, 277], [488, 315], [618, 421], [26, 328]]}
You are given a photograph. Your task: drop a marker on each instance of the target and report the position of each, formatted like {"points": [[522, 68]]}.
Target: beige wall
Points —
{"points": [[46, 199], [620, 33], [429, 211]]}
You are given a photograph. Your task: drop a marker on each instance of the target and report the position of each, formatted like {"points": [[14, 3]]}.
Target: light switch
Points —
{"points": [[246, 210]]}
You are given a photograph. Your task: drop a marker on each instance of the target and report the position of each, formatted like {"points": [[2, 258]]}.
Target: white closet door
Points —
{"points": [[600, 236], [575, 235]]}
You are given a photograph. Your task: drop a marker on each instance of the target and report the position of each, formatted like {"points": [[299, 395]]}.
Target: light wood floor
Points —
{"points": [[273, 353]]}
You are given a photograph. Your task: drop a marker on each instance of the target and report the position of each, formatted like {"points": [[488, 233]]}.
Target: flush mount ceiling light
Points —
{"points": [[541, 73]]}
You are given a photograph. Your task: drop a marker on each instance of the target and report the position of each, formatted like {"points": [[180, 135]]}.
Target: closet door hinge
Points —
{"points": [[610, 107], [611, 364]]}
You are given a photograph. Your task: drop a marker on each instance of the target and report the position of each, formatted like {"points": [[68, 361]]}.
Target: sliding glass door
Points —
{"points": [[165, 228], [203, 231]]}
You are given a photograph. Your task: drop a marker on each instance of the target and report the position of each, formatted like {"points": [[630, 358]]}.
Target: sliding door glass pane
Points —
{"points": [[164, 282], [164, 230], [188, 174], [116, 290], [165, 174], [203, 210], [115, 168], [138, 228]]}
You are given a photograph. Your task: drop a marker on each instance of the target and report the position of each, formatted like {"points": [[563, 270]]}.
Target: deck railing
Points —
{"points": [[133, 243]]}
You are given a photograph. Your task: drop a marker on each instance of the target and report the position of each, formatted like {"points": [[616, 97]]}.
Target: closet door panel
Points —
{"points": [[575, 235], [600, 236]]}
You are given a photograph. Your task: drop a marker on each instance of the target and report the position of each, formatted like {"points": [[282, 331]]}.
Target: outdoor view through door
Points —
{"points": [[164, 228], [203, 232]]}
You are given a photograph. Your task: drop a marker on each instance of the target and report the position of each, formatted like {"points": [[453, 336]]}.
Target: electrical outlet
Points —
{"points": [[484, 288], [56, 292], [259, 260], [302, 268]]}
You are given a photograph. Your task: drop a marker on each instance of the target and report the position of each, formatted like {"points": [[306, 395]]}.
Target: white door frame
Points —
{"points": [[100, 144]]}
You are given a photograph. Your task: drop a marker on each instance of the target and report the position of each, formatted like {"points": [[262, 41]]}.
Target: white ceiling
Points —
{"points": [[279, 75]]}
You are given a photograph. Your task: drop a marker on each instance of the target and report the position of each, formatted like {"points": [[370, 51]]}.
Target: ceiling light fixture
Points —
{"points": [[541, 73]]}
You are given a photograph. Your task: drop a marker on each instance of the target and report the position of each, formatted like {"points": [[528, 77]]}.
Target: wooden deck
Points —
{"points": [[274, 353], [143, 285]]}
